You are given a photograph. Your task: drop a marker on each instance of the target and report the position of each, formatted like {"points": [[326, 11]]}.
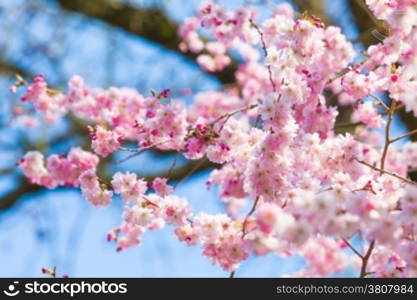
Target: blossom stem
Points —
{"points": [[387, 135], [261, 35], [252, 210], [347, 125], [138, 151], [344, 72], [387, 108], [174, 163], [352, 248], [227, 116], [386, 172], [388, 141], [412, 132], [365, 259]]}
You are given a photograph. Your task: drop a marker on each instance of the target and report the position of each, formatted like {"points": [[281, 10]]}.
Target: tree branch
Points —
{"points": [[11, 69], [368, 25], [150, 23], [182, 171], [250, 213], [22, 189], [386, 172], [408, 134], [316, 7], [365, 259], [352, 248], [387, 143]]}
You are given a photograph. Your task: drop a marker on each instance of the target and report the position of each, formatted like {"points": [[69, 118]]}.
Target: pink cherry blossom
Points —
{"points": [[105, 141], [271, 137], [161, 187], [267, 216], [128, 186]]}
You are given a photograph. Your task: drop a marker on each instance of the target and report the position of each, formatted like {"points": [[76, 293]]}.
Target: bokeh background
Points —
{"points": [[116, 43]]}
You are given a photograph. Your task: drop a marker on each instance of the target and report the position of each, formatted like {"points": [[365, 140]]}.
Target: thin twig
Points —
{"points": [[131, 156], [228, 115], [387, 134], [338, 75], [130, 149], [265, 52], [252, 210], [380, 102], [352, 248], [345, 71], [138, 151], [173, 165], [390, 112], [386, 172], [397, 107], [365, 259], [412, 132], [149, 201], [345, 125]]}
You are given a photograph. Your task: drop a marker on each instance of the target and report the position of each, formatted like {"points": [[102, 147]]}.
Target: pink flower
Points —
{"points": [[324, 256], [358, 85], [95, 193], [368, 114], [272, 135], [28, 121], [36, 90], [89, 180], [138, 215], [60, 170], [267, 216], [129, 187], [161, 187], [175, 210], [123, 182], [33, 166], [77, 89], [98, 197], [206, 62], [105, 141], [187, 234]]}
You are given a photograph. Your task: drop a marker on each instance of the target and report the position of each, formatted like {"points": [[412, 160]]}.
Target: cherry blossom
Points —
{"points": [[272, 138]]}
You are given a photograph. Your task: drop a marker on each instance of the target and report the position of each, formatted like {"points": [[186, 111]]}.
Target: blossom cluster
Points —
{"points": [[59, 170], [273, 139]]}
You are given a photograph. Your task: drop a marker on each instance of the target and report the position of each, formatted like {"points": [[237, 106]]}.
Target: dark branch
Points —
{"points": [[22, 189], [150, 23]]}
